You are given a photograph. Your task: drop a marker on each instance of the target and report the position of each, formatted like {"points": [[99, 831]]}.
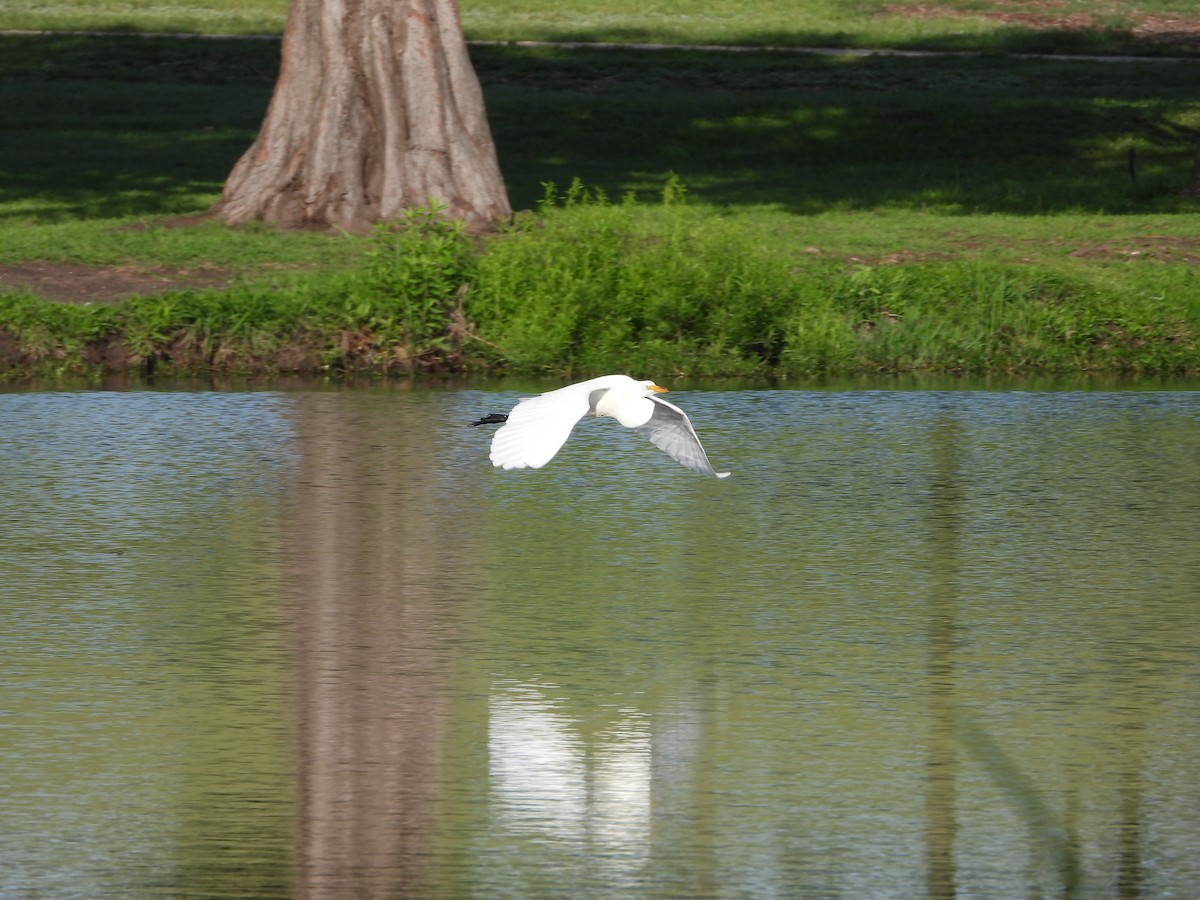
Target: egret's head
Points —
{"points": [[652, 388]]}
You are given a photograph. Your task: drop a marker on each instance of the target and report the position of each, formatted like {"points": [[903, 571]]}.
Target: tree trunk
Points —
{"points": [[377, 110]]}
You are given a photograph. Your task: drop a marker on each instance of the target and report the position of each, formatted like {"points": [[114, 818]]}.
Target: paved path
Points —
{"points": [[709, 48], [826, 51]]}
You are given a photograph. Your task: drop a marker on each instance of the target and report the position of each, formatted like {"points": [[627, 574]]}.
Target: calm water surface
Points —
{"points": [[276, 644]]}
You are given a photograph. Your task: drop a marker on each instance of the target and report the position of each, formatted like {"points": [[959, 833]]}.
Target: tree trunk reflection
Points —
{"points": [[369, 692]]}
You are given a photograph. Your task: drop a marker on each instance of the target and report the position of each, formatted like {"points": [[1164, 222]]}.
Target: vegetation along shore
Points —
{"points": [[683, 212]]}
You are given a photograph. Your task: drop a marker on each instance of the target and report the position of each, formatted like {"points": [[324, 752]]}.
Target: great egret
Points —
{"points": [[538, 426]]}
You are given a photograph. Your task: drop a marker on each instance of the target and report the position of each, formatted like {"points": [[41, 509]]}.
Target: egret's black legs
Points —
{"points": [[492, 419]]}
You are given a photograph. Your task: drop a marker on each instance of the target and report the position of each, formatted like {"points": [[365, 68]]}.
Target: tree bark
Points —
{"points": [[377, 109]]}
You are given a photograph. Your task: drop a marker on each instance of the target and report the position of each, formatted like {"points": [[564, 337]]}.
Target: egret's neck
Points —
{"points": [[630, 409]]}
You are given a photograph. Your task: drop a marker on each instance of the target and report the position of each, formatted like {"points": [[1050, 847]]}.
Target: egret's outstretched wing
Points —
{"points": [[671, 431], [538, 427]]}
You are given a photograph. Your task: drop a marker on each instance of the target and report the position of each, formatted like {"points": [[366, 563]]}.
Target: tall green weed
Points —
{"points": [[593, 285], [416, 273]]}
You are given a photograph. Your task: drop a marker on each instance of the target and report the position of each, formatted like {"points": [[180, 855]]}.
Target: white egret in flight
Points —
{"points": [[538, 426]]}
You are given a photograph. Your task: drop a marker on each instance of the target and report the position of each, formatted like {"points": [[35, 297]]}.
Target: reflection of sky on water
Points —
{"points": [[136, 459], [136, 554]]}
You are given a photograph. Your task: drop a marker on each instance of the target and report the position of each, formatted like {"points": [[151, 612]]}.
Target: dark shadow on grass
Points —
{"points": [[100, 127], [810, 132], [108, 126], [133, 58]]}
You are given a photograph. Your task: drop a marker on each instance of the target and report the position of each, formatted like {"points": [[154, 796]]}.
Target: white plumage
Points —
{"points": [[537, 427]]}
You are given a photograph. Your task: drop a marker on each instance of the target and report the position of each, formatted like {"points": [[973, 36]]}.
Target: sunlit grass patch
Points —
{"points": [[1079, 26], [209, 17]]}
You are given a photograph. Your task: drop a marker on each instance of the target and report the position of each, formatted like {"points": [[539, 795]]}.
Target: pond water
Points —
{"points": [[311, 644]]}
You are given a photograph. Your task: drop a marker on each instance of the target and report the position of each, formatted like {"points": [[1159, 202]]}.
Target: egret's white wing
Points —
{"points": [[671, 431], [538, 427]]}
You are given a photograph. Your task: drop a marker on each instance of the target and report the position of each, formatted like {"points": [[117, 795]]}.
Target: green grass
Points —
{"points": [[600, 286], [681, 289], [109, 128], [964, 25], [810, 134], [991, 202], [208, 17], [973, 25]]}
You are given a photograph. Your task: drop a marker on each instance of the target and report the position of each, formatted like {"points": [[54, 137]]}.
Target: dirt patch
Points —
{"points": [[1160, 247], [1031, 15], [1168, 29], [1152, 246], [1054, 15], [74, 283]]}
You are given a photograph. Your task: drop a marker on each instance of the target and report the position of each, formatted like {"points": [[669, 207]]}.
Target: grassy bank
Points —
{"points": [[1081, 26], [690, 291], [840, 215], [671, 287]]}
